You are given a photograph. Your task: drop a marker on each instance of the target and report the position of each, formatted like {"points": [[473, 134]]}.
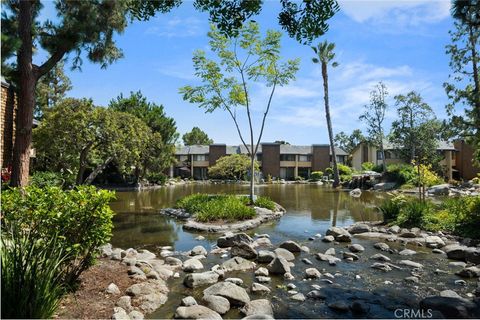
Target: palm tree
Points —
{"points": [[324, 55]]}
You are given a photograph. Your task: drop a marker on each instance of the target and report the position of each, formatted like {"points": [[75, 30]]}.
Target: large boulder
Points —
{"points": [[312, 273], [291, 246], [279, 266], [284, 253], [259, 306], [450, 307], [339, 234], [217, 303], [196, 312], [472, 255], [359, 228], [259, 288], [440, 190], [230, 238], [455, 251], [237, 264], [434, 242], [244, 250], [356, 247], [198, 250], [235, 294], [265, 256], [199, 279], [192, 265]]}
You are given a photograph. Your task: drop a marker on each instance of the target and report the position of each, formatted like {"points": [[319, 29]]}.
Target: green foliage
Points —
{"points": [[32, 274], [344, 169], [265, 202], [157, 178], [207, 208], [368, 166], [426, 178], [466, 213], [43, 179], [400, 173], [316, 175], [81, 218], [232, 167], [413, 212], [196, 136], [328, 171], [390, 208], [349, 142]]}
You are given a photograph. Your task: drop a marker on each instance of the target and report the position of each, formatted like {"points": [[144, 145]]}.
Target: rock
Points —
{"points": [[230, 238], [407, 252], [298, 297], [381, 246], [263, 242], [330, 252], [469, 272], [259, 288], [356, 248], [116, 254], [438, 251], [460, 282], [172, 261], [410, 263], [199, 279], [198, 250], [355, 193], [450, 307], [288, 276], [200, 238], [449, 293], [235, 294], [405, 233], [440, 190], [135, 271], [359, 307], [237, 264], [284, 253], [236, 281], [265, 256], [347, 255], [359, 228], [163, 271], [312, 273], [457, 264], [261, 272], [412, 279], [192, 265], [106, 250], [145, 255], [339, 305], [316, 294], [339, 234], [394, 229], [218, 304], [307, 261], [385, 186], [148, 295], [119, 313], [189, 301], [263, 279], [259, 306], [291, 246], [196, 312], [258, 317], [472, 255], [381, 266], [455, 251], [125, 302], [263, 235], [136, 315], [244, 250], [434, 242], [328, 239], [380, 257], [278, 266], [112, 289]]}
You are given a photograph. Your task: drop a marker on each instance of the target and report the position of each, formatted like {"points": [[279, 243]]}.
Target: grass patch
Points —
{"points": [[222, 207]]}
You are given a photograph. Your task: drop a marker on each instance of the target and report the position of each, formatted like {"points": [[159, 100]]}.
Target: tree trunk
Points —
{"points": [[97, 171], [83, 164], [26, 98], [336, 178], [382, 151], [476, 79], [252, 178]]}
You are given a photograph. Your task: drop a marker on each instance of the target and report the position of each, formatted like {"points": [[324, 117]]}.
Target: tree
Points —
{"points": [[245, 59], [234, 167], [464, 86], [80, 26], [374, 115], [51, 88], [324, 55], [349, 142], [281, 142], [75, 135], [196, 136], [416, 131]]}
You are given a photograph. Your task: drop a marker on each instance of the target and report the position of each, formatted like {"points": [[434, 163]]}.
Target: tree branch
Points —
{"points": [[265, 114], [50, 63]]}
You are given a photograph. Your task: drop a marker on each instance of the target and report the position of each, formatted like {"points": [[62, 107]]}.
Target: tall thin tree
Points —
{"points": [[324, 55]]}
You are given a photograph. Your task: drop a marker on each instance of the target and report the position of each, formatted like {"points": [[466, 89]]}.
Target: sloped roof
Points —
{"points": [[194, 149]]}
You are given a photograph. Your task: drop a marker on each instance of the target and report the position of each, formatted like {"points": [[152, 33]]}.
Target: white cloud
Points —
{"points": [[177, 27], [302, 116], [399, 13]]}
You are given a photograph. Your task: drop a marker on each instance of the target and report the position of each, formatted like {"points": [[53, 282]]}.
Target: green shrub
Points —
{"points": [[428, 177], [368, 166], [378, 168], [193, 203], [265, 202], [44, 179], [316, 175], [400, 173], [413, 213], [156, 177], [344, 170], [232, 167], [390, 208], [465, 211], [328, 171], [32, 278], [82, 218]]}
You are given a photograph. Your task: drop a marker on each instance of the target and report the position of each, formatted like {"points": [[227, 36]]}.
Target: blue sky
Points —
{"points": [[401, 43]]}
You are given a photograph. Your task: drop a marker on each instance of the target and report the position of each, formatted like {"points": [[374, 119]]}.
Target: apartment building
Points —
{"points": [[282, 161]]}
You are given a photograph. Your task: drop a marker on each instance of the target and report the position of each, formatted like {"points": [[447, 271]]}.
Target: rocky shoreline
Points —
{"points": [[262, 215], [265, 261]]}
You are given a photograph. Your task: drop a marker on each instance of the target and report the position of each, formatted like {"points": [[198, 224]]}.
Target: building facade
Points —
{"points": [[281, 161], [7, 121]]}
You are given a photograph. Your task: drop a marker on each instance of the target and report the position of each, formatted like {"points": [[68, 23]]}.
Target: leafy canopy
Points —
{"points": [[196, 136], [233, 167]]}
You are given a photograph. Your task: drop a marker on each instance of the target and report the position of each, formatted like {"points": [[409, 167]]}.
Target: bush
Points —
{"points": [[316, 175], [232, 167], [328, 171], [390, 208], [368, 166], [413, 213], [32, 274], [400, 173], [265, 202], [217, 207], [44, 179], [465, 211], [429, 178], [156, 178], [82, 218], [344, 170], [378, 168]]}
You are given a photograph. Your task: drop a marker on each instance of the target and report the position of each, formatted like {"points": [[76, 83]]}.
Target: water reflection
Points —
{"points": [[138, 224]]}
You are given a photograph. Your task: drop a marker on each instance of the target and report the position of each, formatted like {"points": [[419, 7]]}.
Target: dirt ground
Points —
{"points": [[90, 300]]}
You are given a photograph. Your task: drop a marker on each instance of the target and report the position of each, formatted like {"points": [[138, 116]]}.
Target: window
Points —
{"points": [[304, 158], [200, 157], [287, 157], [388, 155], [379, 155], [181, 158], [287, 173], [341, 159], [259, 157]]}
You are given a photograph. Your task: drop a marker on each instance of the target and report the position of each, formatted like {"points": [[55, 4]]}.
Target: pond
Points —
{"points": [[310, 209]]}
